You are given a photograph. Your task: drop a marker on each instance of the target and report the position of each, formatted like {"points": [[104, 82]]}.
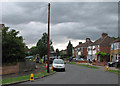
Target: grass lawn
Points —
{"points": [[23, 78], [115, 71], [83, 65], [118, 67]]}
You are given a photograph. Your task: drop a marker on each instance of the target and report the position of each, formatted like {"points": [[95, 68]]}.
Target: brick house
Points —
{"points": [[81, 49], [115, 50], [102, 44], [64, 51], [77, 50], [85, 46]]}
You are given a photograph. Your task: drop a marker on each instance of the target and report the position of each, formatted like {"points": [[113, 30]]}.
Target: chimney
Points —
{"points": [[104, 34], [80, 43], [88, 39]]}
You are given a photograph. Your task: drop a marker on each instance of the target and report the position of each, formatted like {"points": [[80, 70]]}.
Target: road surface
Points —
{"points": [[75, 74]]}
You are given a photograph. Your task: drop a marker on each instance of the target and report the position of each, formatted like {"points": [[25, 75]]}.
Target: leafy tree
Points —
{"points": [[69, 49], [115, 37], [13, 47], [57, 52], [33, 50], [51, 48], [42, 45]]}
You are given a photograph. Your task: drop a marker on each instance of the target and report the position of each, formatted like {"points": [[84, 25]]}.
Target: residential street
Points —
{"points": [[78, 75]]}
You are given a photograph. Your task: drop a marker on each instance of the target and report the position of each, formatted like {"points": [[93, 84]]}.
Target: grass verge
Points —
{"points": [[84, 65], [23, 78], [115, 71]]}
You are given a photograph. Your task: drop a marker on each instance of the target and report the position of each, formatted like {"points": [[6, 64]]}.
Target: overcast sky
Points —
{"points": [[69, 21]]}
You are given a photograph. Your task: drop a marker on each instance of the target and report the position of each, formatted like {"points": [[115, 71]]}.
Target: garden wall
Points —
{"points": [[19, 67]]}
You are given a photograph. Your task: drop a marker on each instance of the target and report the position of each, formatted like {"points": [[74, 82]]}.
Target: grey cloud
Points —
{"points": [[68, 20], [24, 12]]}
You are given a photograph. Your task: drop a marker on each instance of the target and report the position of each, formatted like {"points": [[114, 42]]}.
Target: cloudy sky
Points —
{"points": [[69, 21]]}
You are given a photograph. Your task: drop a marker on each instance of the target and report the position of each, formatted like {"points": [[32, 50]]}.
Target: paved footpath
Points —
{"points": [[78, 75]]}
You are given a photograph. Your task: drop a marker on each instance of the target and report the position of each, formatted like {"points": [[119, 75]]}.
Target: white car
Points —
{"points": [[58, 64]]}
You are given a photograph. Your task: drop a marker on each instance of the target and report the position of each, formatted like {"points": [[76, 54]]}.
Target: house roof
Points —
{"points": [[86, 44], [104, 41], [80, 45], [117, 40]]}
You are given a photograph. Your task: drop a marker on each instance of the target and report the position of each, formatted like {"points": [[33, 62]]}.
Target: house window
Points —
{"points": [[119, 57], [119, 46], [81, 49], [116, 56], [115, 45], [94, 48], [112, 47], [88, 49], [98, 47]]}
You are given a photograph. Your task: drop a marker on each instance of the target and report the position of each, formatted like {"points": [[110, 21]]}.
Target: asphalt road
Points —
{"points": [[75, 74]]}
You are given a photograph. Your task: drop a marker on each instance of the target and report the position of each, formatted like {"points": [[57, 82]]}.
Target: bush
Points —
{"points": [[13, 48]]}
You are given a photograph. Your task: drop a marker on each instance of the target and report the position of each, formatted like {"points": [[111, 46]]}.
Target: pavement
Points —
{"points": [[102, 67], [75, 74]]}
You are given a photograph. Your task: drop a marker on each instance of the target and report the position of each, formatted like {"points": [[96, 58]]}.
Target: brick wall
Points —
{"points": [[19, 67], [10, 69], [105, 49], [85, 53], [26, 66]]}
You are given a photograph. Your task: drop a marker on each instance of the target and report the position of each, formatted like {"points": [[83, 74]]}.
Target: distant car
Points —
{"points": [[82, 59], [51, 60], [70, 59], [74, 59], [77, 59], [29, 58], [116, 63], [58, 64], [111, 64]]}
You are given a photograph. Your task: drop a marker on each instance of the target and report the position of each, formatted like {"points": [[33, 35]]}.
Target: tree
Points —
{"points": [[69, 49], [115, 37], [57, 52], [42, 45], [51, 48], [13, 48], [33, 50]]}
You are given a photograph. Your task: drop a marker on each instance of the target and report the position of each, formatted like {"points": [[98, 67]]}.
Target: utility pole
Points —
{"points": [[48, 37]]}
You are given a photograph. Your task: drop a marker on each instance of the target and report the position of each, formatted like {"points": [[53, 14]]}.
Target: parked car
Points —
{"points": [[117, 63], [71, 58], [114, 64], [51, 60], [74, 59], [58, 64], [29, 58], [77, 59], [111, 64]]}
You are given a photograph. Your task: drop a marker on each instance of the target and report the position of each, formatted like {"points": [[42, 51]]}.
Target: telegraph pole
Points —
{"points": [[48, 37]]}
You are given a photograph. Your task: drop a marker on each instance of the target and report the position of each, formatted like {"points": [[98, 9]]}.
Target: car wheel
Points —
{"points": [[53, 69], [64, 69]]}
